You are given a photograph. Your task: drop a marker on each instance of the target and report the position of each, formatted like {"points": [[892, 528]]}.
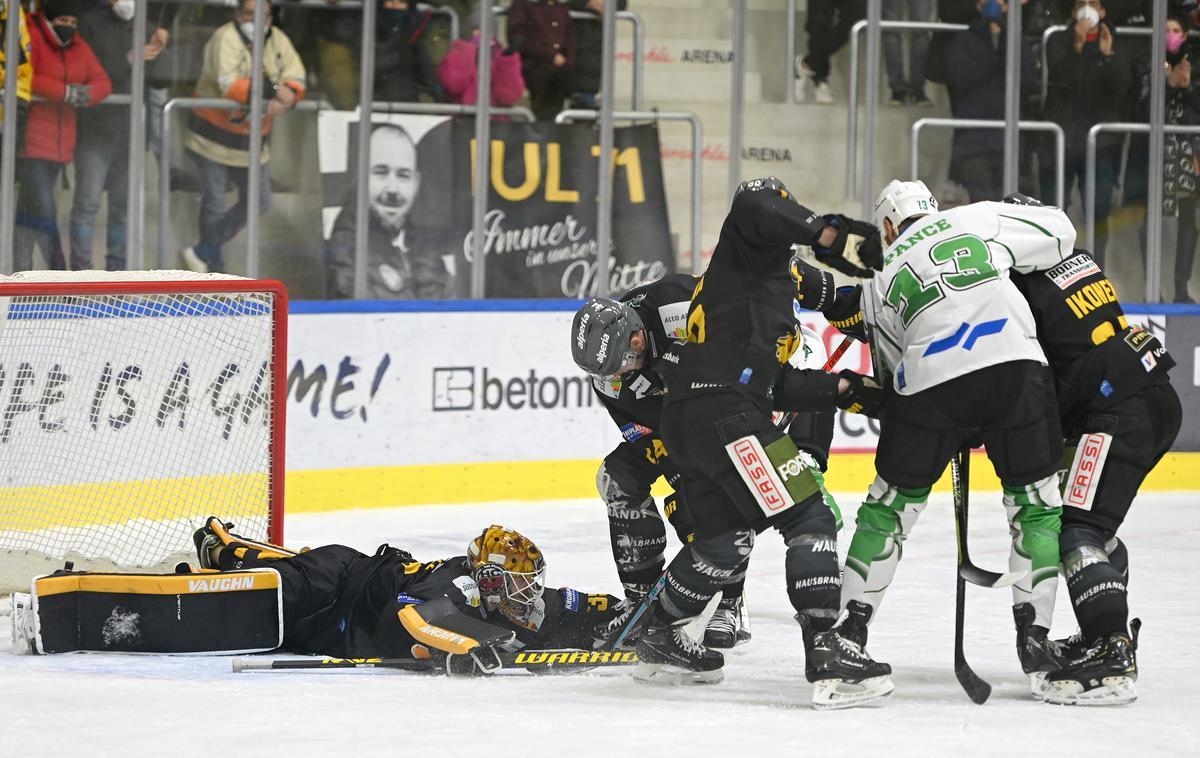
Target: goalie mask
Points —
{"points": [[600, 337], [508, 569]]}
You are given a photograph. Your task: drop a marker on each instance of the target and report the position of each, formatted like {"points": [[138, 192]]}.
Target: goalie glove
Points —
{"points": [[814, 287], [864, 395], [856, 251]]}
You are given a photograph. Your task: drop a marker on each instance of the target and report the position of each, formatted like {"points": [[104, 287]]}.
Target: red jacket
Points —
{"points": [[50, 130]]}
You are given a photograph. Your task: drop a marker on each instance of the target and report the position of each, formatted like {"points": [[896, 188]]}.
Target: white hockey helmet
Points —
{"points": [[901, 201]]}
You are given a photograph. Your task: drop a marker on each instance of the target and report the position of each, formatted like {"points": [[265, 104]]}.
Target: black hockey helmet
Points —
{"points": [[600, 337]]}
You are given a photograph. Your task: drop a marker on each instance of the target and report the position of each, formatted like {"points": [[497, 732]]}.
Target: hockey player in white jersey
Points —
{"points": [[956, 340]]}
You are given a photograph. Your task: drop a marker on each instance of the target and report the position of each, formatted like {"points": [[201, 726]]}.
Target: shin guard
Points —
{"points": [[1035, 521], [884, 521], [700, 570]]}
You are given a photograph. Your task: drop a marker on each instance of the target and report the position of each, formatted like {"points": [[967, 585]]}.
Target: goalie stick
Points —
{"points": [[977, 689], [556, 661]]}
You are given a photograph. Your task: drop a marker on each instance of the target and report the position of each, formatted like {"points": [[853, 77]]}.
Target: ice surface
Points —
{"points": [[149, 706]]}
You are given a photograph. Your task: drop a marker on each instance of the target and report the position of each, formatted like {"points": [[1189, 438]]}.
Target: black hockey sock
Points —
{"points": [[737, 583], [699, 572], [1096, 586], [813, 581], [639, 542]]}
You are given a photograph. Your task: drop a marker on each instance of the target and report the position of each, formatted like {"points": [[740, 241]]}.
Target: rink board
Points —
{"points": [[453, 402]]}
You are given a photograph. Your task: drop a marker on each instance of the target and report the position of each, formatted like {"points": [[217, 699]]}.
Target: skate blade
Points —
{"points": [[670, 676], [832, 694], [1113, 690], [1038, 685]]}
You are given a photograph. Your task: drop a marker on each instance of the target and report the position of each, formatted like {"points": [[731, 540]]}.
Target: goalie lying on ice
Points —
{"points": [[331, 600]]}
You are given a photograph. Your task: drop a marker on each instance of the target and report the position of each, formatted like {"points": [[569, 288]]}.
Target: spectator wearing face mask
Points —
{"points": [[1086, 71], [66, 77], [218, 141], [975, 81], [1181, 152]]}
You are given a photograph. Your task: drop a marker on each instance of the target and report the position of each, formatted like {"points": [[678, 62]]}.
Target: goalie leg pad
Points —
{"points": [[212, 613]]}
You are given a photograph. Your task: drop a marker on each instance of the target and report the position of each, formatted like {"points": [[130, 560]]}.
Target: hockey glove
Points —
{"points": [[855, 251], [814, 287], [864, 395], [845, 314]]}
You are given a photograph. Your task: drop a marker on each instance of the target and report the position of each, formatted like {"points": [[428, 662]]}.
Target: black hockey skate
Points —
{"points": [[208, 544], [729, 626], [604, 637], [667, 655], [1038, 653], [842, 673], [1102, 676]]}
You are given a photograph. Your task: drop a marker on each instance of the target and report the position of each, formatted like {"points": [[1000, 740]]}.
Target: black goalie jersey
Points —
{"points": [[1097, 357]]}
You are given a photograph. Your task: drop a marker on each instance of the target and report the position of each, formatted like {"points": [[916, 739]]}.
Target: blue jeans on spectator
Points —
{"points": [[914, 83], [219, 224], [37, 215], [101, 165]]}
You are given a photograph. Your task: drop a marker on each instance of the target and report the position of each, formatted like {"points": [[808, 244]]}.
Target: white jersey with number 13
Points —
{"points": [[944, 306]]}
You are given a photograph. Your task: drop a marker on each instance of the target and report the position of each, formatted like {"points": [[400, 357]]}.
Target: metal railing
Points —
{"points": [[348, 5], [191, 103], [1089, 192], [1050, 31], [852, 100], [697, 150], [639, 46], [1060, 143]]}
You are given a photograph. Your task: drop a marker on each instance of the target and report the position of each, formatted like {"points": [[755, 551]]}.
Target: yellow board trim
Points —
{"points": [[158, 584], [434, 636], [394, 486]]}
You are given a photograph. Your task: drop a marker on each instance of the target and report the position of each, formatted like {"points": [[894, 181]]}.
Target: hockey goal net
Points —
{"points": [[133, 405]]}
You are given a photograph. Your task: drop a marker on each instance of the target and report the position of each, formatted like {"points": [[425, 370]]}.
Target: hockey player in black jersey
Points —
{"points": [[638, 328], [740, 474], [1120, 415], [340, 602]]}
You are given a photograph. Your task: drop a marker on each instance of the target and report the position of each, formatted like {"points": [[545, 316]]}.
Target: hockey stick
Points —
{"points": [[977, 689], [639, 617], [960, 474], [556, 661], [788, 417]]}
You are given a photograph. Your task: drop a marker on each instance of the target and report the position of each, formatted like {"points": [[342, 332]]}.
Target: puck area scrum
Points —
{"points": [[986, 325]]}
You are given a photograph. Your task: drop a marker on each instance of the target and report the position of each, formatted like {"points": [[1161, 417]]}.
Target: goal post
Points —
{"points": [[132, 406]]}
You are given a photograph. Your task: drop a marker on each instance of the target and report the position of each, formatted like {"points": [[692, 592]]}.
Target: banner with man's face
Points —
{"points": [[540, 229]]}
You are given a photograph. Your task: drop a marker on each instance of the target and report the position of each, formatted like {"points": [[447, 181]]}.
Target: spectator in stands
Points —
{"points": [[102, 150], [540, 30], [397, 267], [589, 40], [457, 73], [403, 71], [66, 77], [910, 89], [218, 141], [1181, 169], [828, 27], [24, 68], [159, 77], [339, 36], [975, 74], [1086, 71]]}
